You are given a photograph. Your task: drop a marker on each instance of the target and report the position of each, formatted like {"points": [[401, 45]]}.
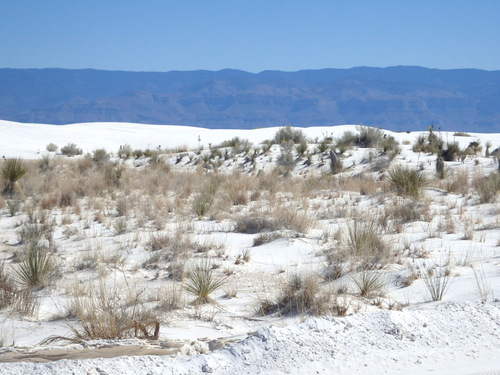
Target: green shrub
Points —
{"points": [[345, 142], [71, 150], [51, 147], [368, 283], [12, 171], [365, 244], [369, 137], [407, 181], [100, 156], [201, 281], [36, 268], [289, 134]]}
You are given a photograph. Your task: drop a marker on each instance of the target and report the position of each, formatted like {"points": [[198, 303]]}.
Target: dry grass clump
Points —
{"points": [[364, 243], [254, 224], [406, 181], [264, 238], [166, 248], [487, 187], [103, 313], [23, 301], [299, 294]]}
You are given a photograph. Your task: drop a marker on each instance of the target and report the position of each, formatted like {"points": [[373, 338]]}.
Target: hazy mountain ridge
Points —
{"points": [[396, 98]]}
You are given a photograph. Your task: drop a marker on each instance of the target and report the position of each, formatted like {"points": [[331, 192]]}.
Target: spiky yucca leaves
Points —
{"points": [[37, 267], [12, 171], [407, 181], [201, 282], [368, 283]]}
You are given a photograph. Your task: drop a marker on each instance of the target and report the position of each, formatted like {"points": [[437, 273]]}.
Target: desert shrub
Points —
{"points": [[335, 163], [363, 241], [289, 134], [20, 300], [368, 283], [120, 226], [201, 281], [346, 141], [461, 134], [202, 203], [451, 151], [105, 313], [36, 268], [390, 145], [369, 137], [436, 281], [286, 160], [13, 205], [71, 150], [407, 181], [264, 238], [100, 156], [12, 171], [125, 151], [138, 153], [298, 295], [487, 187], [45, 162], [404, 211], [290, 218], [159, 241], [237, 145], [51, 147], [301, 148], [254, 224], [8, 289]]}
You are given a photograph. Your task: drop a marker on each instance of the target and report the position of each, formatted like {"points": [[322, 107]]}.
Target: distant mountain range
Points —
{"points": [[396, 98]]}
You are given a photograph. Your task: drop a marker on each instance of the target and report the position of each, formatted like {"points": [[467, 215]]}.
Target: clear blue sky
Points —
{"points": [[163, 35]]}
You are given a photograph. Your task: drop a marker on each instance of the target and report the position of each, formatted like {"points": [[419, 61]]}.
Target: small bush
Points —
{"points": [[347, 141], [71, 150], [125, 151], [301, 148], [437, 283], [254, 224], [201, 282], [100, 156], [51, 147], [407, 181], [12, 171], [369, 283], [202, 203], [364, 242], [298, 295], [264, 238], [369, 137], [289, 134], [36, 269], [487, 187]]}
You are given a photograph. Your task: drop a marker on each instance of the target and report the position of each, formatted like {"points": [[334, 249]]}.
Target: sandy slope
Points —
{"points": [[457, 336], [447, 338]]}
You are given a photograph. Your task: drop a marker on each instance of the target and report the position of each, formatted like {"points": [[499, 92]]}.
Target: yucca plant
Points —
{"points": [[12, 171], [368, 282], [407, 181], [201, 282], [437, 283], [36, 269]]}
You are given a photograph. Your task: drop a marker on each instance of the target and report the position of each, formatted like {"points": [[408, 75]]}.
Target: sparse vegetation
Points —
{"points": [[407, 181]]}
